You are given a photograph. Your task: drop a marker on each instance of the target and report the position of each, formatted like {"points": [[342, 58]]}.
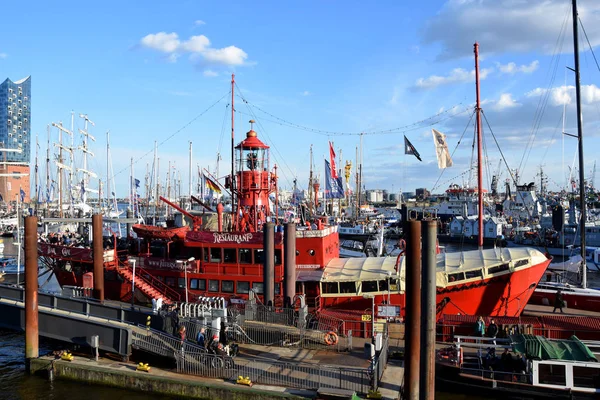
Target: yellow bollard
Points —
{"points": [[143, 367], [374, 394], [244, 381], [67, 356]]}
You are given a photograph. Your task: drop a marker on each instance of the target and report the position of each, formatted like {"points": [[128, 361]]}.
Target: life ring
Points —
{"points": [[402, 244], [331, 338]]}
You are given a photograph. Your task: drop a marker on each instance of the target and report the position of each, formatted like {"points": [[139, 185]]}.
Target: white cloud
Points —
{"points": [[199, 22], [306, 93], [507, 26], [229, 55], [3, 56], [512, 68], [457, 75], [506, 101], [197, 46], [566, 94], [161, 41], [210, 73]]}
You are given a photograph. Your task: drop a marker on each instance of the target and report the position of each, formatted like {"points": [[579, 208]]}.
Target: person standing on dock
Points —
{"points": [[559, 302], [492, 330], [479, 327]]}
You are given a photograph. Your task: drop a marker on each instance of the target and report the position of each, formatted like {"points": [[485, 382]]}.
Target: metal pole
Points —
{"points": [[373, 317], [479, 152], [412, 309], [582, 204], [98, 252], [269, 263], [31, 290], [185, 277], [133, 284], [289, 264], [428, 315]]}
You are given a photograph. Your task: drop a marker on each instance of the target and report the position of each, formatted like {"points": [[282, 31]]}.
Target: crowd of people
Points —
{"points": [[71, 239]]}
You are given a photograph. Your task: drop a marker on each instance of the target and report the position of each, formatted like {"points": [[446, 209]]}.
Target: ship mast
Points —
{"points": [[86, 151], [582, 204], [479, 151], [310, 182], [35, 179], [234, 211]]}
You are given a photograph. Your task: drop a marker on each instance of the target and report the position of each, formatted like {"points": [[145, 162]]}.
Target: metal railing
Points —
{"points": [[498, 375], [379, 364], [163, 288], [163, 344], [275, 373], [77, 291]]}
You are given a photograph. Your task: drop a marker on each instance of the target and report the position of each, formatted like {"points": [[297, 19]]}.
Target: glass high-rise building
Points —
{"points": [[15, 120]]}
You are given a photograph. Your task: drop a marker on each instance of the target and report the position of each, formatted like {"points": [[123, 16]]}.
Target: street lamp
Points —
{"points": [[372, 297]]}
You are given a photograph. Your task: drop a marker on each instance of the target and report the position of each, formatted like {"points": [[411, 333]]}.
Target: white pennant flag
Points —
{"points": [[441, 149]]}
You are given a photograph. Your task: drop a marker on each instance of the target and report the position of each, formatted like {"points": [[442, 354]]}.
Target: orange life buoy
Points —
{"points": [[331, 338]]}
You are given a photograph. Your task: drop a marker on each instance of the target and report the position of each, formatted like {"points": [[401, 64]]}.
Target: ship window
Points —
{"points": [[258, 256], [243, 287], [586, 377], [383, 286], [257, 287], [227, 286], [369, 286], [277, 288], [229, 255], [395, 285], [473, 274], [181, 283], [213, 285], [215, 254], [205, 254], [498, 268], [552, 374], [245, 256], [198, 284], [521, 263], [330, 288], [459, 276], [348, 287], [277, 256], [170, 281]]}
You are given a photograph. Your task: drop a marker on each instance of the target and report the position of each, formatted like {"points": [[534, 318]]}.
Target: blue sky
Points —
{"points": [[145, 69]]}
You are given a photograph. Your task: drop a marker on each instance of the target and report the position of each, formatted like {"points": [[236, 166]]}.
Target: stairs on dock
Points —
{"points": [[151, 287]]}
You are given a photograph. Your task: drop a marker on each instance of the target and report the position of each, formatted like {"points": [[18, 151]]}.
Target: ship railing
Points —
{"points": [[266, 371], [163, 288], [271, 315], [498, 375]]}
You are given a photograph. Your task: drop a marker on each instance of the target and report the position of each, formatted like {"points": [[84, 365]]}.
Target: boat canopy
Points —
{"points": [[540, 348], [355, 270]]}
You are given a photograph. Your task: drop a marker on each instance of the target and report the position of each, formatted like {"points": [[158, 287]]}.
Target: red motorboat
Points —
{"points": [[159, 232]]}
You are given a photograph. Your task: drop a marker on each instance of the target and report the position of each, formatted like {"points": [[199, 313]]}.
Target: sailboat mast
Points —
{"points": [[310, 179], [190, 173], [580, 139], [60, 172], [48, 167], [233, 209], [108, 169], [479, 153]]}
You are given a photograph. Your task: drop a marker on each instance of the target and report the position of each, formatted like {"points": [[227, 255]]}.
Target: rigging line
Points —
{"points": [[172, 135], [400, 129], [435, 186], [552, 138], [248, 105], [529, 212], [589, 44], [543, 101]]}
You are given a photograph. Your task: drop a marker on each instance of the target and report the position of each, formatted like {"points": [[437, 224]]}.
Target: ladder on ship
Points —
{"points": [[148, 285]]}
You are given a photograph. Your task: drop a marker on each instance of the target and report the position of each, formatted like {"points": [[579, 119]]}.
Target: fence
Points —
{"points": [[157, 342], [276, 373], [380, 362]]}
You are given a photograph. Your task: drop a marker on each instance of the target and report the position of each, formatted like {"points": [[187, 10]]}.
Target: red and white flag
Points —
{"points": [[334, 173]]}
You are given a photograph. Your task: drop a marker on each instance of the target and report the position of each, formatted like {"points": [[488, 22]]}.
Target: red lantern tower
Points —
{"points": [[254, 183]]}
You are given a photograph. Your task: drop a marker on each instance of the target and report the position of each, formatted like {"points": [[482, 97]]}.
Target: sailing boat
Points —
{"points": [[576, 296]]}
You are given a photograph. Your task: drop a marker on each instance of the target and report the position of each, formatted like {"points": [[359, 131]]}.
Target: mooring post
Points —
{"points": [[98, 253], [31, 291], [428, 314], [269, 264], [289, 264], [412, 269]]}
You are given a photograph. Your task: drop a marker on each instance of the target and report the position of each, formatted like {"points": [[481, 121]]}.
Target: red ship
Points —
{"points": [[195, 262]]}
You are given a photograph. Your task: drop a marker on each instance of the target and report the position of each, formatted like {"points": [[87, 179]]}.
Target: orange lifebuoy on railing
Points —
{"points": [[331, 338], [402, 244]]}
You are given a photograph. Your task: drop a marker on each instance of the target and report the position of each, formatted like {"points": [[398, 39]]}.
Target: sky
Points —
{"points": [[311, 72]]}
